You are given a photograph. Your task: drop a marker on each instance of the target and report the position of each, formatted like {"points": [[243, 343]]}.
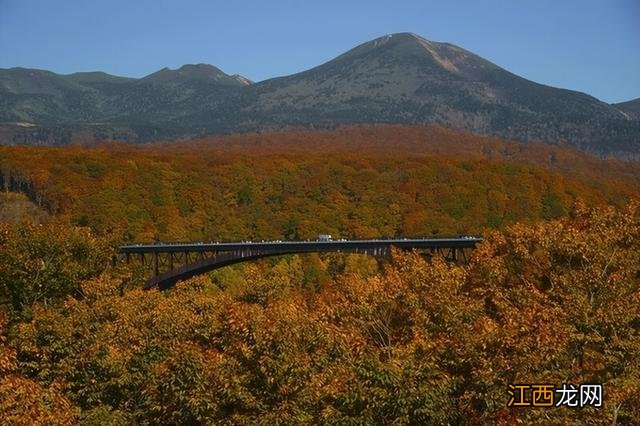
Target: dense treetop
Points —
{"points": [[356, 182], [417, 343]]}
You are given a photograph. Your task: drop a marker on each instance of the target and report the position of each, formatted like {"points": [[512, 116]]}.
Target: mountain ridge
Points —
{"points": [[398, 78]]}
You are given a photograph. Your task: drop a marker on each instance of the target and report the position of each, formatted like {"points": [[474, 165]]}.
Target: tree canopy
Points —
{"points": [[419, 342]]}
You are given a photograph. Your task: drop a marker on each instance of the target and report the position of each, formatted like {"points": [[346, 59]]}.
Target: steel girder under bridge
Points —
{"points": [[171, 263]]}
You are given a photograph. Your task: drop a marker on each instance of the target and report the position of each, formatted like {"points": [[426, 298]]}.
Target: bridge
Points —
{"points": [[171, 263]]}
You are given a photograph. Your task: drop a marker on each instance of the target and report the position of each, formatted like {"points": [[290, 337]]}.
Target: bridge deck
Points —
{"points": [[333, 245], [173, 262]]}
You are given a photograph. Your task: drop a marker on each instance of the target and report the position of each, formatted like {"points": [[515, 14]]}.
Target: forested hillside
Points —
{"points": [[551, 295], [356, 182]]}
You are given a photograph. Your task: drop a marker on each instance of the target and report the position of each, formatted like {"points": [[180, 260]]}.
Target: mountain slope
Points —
{"points": [[108, 106], [104, 95], [39, 96], [168, 95], [631, 108], [403, 78], [399, 78]]}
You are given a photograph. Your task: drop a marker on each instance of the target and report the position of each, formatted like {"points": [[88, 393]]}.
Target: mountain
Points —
{"points": [[167, 96], [403, 78], [631, 108], [39, 96], [107, 106], [398, 78]]}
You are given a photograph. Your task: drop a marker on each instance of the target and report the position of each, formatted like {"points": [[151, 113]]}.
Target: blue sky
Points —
{"points": [[587, 45]]}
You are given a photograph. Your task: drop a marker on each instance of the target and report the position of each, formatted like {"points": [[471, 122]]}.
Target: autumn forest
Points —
{"points": [[552, 294]]}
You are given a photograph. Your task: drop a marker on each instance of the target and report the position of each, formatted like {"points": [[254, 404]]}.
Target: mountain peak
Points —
{"points": [[395, 39], [206, 69], [409, 49], [201, 70], [399, 37], [204, 73]]}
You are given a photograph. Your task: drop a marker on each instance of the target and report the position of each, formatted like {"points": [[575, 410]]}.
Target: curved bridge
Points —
{"points": [[171, 263]]}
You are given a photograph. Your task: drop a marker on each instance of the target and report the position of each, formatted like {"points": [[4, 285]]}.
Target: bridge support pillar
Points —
{"points": [[155, 264]]}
